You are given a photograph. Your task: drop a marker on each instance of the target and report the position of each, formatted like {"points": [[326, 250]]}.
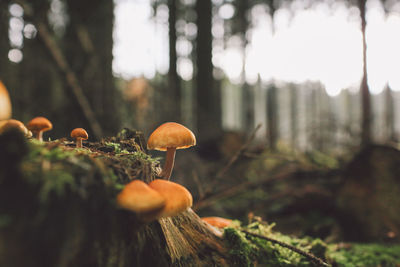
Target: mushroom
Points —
{"points": [[5, 103], [169, 137], [7, 125], [79, 134], [138, 197], [177, 197], [217, 221], [39, 125]]}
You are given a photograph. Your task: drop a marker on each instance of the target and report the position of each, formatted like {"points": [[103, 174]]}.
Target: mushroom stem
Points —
{"points": [[79, 142], [169, 163], [39, 135]]}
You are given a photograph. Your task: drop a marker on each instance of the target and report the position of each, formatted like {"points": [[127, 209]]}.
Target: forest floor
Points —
{"points": [[58, 208]]}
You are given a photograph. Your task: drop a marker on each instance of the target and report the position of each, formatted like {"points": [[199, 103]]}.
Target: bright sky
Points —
{"points": [[316, 44]]}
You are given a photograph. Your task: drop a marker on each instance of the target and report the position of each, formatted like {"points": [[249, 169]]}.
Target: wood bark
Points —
{"points": [[173, 94], [208, 95], [366, 119], [272, 117]]}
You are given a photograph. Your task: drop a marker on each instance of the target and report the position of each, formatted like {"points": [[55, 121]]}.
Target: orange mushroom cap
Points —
{"points": [[14, 124], [39, 124], [217, 221], [138, 197], [79, 133], [171, 134], [177, 197], [5, 103]]}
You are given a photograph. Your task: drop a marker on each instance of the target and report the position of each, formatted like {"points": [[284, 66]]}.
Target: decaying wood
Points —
{"points": [[84, 227]]}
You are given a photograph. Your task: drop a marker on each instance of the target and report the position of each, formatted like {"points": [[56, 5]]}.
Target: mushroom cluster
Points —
{"points": [[158, 199]]}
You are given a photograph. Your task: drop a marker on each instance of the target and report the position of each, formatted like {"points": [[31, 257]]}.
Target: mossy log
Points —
{"points": [[58, 209]]}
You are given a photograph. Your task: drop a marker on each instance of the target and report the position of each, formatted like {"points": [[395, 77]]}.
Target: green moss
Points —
{"points": [[116, 148], [248, 250], [242, 251], [364, 255], [57, 170]]}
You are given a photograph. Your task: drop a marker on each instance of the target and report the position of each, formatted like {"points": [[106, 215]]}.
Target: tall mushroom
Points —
{"points": [[39, 125], [138, 197], [169, 137], [79, 134], [5, 103], [177, 198]]}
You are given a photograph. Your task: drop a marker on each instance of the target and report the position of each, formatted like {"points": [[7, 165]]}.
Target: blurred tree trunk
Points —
{"points": [[312, 114], [247, 90], [365, 94], [88, 48], [174, 83], [272, 117], [4, 43], [389, 115], [208, 96], [293, 115]]}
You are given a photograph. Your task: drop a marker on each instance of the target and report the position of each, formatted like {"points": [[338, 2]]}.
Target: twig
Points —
{"points": [[205, 202], [311, 257], [62, 63], [242, 149]]}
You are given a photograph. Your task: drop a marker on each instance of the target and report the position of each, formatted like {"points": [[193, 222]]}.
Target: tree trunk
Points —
{"points": [[389, 115], [247, 90], [173, 93], [293, 115], [88, 44], [365, 94], [208, 96], [272, 117], [4, 42]]}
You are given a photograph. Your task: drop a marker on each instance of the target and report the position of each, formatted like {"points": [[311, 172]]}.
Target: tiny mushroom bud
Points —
{"points": [[178, 198], [5, 103], [217, 221], [14, 124], [138, 197], [169, 137], [79, 134], [39, 125]]}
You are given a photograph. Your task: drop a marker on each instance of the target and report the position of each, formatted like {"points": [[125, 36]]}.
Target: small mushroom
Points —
{"points": [[169, 137], [178, 198], [217, 221], [14, 124], [79, 134], [39, 125], [138, 197], [5, 103]]}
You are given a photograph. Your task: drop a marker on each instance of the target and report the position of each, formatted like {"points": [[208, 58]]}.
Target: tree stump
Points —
{"points": [[370, 195]]}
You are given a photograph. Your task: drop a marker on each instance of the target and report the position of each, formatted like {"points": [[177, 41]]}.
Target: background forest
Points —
{"points": [[295, 119]]}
